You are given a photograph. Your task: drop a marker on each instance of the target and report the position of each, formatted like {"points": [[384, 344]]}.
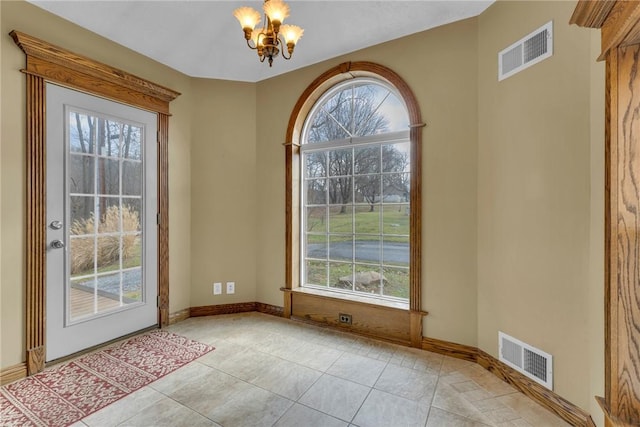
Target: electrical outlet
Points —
{"points": [[217, 288], [231, 287], [344, 318]]}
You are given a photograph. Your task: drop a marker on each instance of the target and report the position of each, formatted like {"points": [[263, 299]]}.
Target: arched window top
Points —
{"points": [[356, 108], [318, 199]]}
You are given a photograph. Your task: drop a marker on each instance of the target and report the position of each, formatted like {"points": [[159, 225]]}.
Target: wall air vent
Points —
{"points": [[525, 52], [528, 360]]}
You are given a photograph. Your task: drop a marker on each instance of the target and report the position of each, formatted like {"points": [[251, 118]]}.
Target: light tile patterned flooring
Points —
{"points": [[268, 371]]}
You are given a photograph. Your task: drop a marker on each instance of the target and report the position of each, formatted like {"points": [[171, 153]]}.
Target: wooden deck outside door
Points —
{"points": [[619, 22]]}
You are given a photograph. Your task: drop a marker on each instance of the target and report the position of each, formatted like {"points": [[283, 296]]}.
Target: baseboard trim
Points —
{"points": [[214, 310], [179, 316], [273, 310], [459, 351], [240, 307], [547, 398], [13, 373]]}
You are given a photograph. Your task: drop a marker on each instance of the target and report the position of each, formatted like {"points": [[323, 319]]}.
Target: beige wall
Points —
{"points": [[534, 195], [24, 17], [224, 206], [441, 72]]}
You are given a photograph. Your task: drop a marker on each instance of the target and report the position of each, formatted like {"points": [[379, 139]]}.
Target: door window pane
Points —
{"points": [[131, 178], [82, 210], [81, 174], [131, 214], [105, 176], [82, 133], [132, 142], [82, 255], [108, 176]]}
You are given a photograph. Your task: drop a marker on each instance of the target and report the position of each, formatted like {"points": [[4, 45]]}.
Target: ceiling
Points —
{"points": [[203, 39]]}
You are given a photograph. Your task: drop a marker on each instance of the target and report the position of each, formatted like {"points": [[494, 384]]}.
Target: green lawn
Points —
{"points": [[392, 225], [394, 222], [395, 284]]}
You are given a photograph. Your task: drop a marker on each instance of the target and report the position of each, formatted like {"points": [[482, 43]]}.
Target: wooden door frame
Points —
{"points": [[49, 63], [619, 22]]}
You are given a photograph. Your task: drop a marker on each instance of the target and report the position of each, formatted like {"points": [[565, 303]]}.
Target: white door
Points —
{"points": [[101, 221]]}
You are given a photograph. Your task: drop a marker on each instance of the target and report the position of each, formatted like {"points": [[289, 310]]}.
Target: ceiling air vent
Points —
{"points": [[525, 52], [528, 360]]}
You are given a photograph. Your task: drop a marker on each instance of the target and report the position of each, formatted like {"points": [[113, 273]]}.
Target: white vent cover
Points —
{"points": [[528, 360], [525, 52]]}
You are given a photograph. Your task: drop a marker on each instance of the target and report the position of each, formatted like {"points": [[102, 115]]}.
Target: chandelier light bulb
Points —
{"points": [[247, 16], [291, 33], [276, 10]]}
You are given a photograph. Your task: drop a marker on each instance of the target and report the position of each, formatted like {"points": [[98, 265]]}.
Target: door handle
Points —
{"points": [[57, 244], [56, 225]]}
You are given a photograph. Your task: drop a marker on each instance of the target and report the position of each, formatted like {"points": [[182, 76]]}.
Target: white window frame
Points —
{"points": [[377, 140]]}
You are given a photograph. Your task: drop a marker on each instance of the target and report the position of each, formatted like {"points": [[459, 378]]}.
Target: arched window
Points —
{"points": [[355, 205], [353, 208]]}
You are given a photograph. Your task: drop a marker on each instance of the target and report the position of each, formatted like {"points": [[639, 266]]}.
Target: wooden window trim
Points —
{"points": [[46, 62], [330, 78]]}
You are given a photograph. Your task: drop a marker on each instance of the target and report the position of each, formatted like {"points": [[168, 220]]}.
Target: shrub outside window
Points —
{"points": [[355, 192]]}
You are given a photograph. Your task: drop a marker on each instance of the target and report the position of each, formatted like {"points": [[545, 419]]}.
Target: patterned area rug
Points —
{"points": [[66, 393]]}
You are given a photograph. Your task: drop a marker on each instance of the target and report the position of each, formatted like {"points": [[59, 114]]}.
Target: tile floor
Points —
{"points": [[268, 371]]}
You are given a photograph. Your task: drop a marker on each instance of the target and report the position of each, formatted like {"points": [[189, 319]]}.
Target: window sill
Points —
{"points": [[350, 298]]}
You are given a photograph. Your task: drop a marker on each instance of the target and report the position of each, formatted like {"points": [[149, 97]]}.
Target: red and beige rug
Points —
{"points": [[66, 393]]}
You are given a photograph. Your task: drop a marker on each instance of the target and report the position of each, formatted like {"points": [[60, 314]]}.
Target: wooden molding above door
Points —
{"points": [[49, 63]]}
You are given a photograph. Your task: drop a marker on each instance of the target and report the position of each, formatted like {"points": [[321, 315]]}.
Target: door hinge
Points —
{"points": [[158, 218], [158, 301]]}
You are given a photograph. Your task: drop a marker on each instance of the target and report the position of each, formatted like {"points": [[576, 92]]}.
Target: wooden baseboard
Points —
{"points": [[13, 373], [214, 310], [179, 316], [547, 398], [241, 307], [274, 310], [459, 351]]}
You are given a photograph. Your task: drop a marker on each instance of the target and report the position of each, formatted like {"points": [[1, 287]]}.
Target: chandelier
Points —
{"points": [[273, 36]]}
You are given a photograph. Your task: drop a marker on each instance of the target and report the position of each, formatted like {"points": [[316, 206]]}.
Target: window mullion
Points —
{"points": [[326, 220], [380, 221], [353, 220]]}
